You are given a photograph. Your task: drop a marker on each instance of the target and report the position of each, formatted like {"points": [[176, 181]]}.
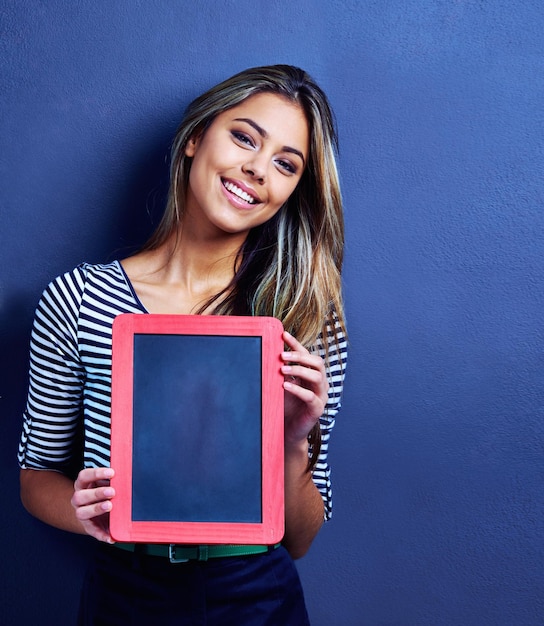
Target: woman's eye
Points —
{"points": [[242, 138], [287, 166]]}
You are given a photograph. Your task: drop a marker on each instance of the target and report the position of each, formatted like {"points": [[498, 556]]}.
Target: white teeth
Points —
{"points": [[239, 192]]}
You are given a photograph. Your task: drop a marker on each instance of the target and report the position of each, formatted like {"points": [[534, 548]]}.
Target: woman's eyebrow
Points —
{"points": [[262, 132]]}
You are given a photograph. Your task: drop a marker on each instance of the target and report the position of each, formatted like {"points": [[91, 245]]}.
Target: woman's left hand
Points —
{"points": [[306, 390]]}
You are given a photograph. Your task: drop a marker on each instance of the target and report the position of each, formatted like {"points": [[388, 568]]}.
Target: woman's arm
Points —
{"points": [[81, 507], [303, 502], [55, 397], [306, 395]]}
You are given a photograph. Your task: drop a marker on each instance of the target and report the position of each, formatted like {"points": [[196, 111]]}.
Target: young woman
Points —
{"points": [[253, 226]]}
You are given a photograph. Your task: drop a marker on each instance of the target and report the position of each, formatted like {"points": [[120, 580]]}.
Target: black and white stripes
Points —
{"points": [[70, 373]]}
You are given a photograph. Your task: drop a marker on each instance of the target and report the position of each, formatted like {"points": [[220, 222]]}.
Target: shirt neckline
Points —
{"points": [[131, 287]]}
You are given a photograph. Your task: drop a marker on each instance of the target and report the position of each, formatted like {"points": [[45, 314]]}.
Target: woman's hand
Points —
{"points": [[92, 501], [306, 390]]}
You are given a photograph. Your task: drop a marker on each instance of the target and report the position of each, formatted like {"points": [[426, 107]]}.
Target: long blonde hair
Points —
{"points": [[290, 266]]}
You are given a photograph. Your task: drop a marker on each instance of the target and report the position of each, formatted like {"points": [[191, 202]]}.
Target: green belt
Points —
{"points": [[177, 553]]}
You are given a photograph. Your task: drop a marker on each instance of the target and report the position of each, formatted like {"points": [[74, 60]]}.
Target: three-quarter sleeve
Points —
{"points": [[54, 405], [333, 348]]}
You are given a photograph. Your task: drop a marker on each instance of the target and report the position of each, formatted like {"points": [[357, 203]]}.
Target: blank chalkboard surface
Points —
{"points": [[197, 429]]}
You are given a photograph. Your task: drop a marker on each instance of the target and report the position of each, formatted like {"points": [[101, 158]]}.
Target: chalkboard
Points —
{"points": [[197, 429]]}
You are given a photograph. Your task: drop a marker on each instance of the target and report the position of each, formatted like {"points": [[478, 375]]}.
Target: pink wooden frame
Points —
{"points": [[271, 528]]}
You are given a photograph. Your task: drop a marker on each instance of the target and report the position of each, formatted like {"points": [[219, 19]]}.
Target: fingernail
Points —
{"points": [[109, 492]]}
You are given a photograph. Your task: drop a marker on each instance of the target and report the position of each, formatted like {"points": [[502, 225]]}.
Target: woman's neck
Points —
{"points": [[183, 273]]}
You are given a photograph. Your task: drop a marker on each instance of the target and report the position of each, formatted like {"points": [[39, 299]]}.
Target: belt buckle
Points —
{"points": [[172, 555]]}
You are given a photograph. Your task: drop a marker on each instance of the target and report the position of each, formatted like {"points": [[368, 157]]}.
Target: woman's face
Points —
{"points": [[246, 164]]}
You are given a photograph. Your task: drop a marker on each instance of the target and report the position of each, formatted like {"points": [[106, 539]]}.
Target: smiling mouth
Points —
{"points": [[239, 193]]}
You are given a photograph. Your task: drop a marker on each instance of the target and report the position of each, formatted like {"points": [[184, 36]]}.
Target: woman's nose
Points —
{"points": [[255, 169]]}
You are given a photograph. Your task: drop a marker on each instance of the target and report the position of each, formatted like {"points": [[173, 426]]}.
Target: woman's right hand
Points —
{"points": [[92, 501]]}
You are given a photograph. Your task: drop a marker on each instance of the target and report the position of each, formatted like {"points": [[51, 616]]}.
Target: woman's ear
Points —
{"points": [[190, 148]]}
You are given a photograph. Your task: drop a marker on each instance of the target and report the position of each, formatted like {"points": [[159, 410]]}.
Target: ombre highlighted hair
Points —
{"points": [[290, 266]]}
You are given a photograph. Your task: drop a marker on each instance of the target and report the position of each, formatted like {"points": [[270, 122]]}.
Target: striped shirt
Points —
{"points": [[70, 374]]}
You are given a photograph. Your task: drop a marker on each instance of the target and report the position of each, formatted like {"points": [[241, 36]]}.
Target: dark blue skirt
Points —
{"points": [[127, 589]]}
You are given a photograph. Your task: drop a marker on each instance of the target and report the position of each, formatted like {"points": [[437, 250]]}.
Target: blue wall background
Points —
{"points": [[437, 455]]}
